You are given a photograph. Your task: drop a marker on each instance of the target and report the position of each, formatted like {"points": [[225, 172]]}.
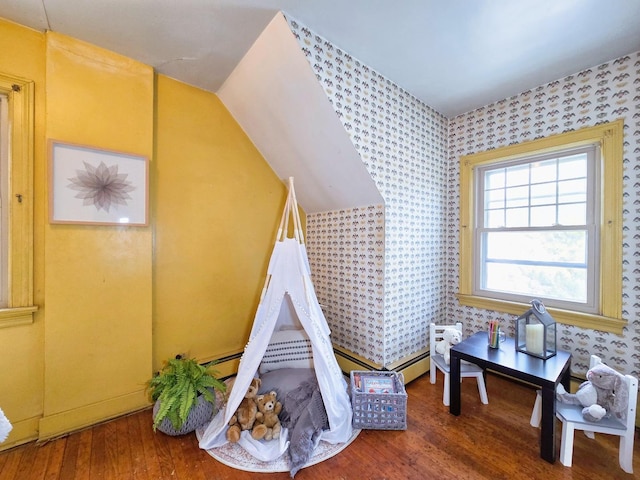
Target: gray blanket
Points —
{"points": [[305, 417]]}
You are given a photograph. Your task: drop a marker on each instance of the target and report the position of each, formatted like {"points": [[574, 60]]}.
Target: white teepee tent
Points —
{"points": [[288, 275]]}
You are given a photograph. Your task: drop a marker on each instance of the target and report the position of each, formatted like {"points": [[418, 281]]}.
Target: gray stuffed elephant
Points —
{"points": [[604, 393]]}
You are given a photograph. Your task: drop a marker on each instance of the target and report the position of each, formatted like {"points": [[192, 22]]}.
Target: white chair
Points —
{"points": [[571, 418], [466, 369]]}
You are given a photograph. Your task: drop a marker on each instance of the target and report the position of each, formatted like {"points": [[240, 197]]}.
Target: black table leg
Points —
{"points": [[454, 385], [547, 427]]}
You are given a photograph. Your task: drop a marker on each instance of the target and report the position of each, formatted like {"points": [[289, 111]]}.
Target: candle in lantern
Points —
{"points": [[535, 339]]}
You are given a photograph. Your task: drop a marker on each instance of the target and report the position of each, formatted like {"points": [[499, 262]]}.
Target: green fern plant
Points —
{"points": [[177, 386]]}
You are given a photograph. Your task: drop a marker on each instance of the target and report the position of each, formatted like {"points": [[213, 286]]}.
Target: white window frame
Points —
{"points": [[591, 229], [18, 238], [609, 138]]}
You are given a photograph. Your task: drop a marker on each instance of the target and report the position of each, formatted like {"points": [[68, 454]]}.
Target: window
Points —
{"points": [[4, 201], [536, 229], [543, 219], [16, 200]]}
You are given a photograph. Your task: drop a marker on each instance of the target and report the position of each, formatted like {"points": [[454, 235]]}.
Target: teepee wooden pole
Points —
{"points": [[282, 228], [296, 213]]}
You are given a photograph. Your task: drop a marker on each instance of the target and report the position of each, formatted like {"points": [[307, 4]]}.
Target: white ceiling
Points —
{"points": [[454, 55]]}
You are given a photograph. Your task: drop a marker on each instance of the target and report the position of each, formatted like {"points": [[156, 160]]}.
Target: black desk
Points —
{"points": [[544, 373]]}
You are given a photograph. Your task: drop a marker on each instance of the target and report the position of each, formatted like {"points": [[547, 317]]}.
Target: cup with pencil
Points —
{"points": [[495, 334]]}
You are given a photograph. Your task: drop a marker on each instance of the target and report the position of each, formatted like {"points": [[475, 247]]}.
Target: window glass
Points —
{"points": [[525, 248], [513, 264], [4, 186]]}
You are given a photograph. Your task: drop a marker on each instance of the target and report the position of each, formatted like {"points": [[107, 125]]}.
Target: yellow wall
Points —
{"points": [[116, 301], [216, 208], [97, 278], [21, 347]]}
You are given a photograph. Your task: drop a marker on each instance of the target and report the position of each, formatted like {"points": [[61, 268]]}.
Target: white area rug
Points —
{"points": [[233, 455]]}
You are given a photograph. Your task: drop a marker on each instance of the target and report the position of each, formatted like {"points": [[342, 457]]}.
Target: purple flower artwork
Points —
{"points": [[102, 186]]}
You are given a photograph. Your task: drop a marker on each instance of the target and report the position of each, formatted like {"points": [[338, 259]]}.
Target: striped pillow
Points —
{"points": [[287, 349]]}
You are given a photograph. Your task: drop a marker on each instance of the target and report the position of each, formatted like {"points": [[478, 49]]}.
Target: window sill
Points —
{"points": [[11, 317], [578, 319]]}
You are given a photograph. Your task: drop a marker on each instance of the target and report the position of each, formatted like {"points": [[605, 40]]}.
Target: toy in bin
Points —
{"points": [[374, 384], [379, 400]]}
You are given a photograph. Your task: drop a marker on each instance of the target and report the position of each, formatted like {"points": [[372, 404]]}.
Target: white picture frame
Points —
{"points": [[95, 186]]}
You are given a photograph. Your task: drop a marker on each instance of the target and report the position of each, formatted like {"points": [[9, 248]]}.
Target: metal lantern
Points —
{"points": [[536, 332]]}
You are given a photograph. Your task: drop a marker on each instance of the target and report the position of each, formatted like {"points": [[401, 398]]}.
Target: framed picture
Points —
{"points": [[96, 186]]}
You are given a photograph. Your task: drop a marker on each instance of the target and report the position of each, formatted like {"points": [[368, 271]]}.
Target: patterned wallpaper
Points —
{"points": [[346, 254], [606, 92], [383, 272], [379, 307]]}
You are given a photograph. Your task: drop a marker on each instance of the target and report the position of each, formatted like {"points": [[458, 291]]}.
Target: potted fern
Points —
{"points": [[184, 395]]}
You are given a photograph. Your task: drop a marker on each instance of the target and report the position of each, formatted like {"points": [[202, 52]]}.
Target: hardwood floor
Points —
{"points": [[493, 441]]}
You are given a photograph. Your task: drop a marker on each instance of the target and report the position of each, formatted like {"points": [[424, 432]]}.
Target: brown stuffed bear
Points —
{"points": [[267, 423], [245, 415]]}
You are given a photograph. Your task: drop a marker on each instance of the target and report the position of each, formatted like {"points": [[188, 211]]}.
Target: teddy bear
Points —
{"points": [[604, 392], [267, 425], [245, 415], [450, 336]]}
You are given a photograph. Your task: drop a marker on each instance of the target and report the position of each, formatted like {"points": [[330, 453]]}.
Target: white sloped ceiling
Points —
{"points": [[276, 98]]}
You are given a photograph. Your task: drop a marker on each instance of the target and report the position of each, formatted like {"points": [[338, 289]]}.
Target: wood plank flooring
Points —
{"points": [[493, 441]]}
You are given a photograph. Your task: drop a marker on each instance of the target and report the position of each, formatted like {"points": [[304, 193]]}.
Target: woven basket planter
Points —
{"points": [[201, 413]]}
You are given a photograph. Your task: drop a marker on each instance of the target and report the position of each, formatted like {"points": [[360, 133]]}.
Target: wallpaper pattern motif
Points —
{"points": [[603, 93], [382, 307]]}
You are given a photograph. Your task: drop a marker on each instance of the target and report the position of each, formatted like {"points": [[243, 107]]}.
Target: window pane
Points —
{"points": [[544, 216], [494, 218], [517, 217], [572, 214], [4, 189], [569, 284], [573, 166], [551, 264], [517, 175], [494, 199], [494, 179], [543, 193], [543, 171], [571, 191], [517, 196], [555, 246]]}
